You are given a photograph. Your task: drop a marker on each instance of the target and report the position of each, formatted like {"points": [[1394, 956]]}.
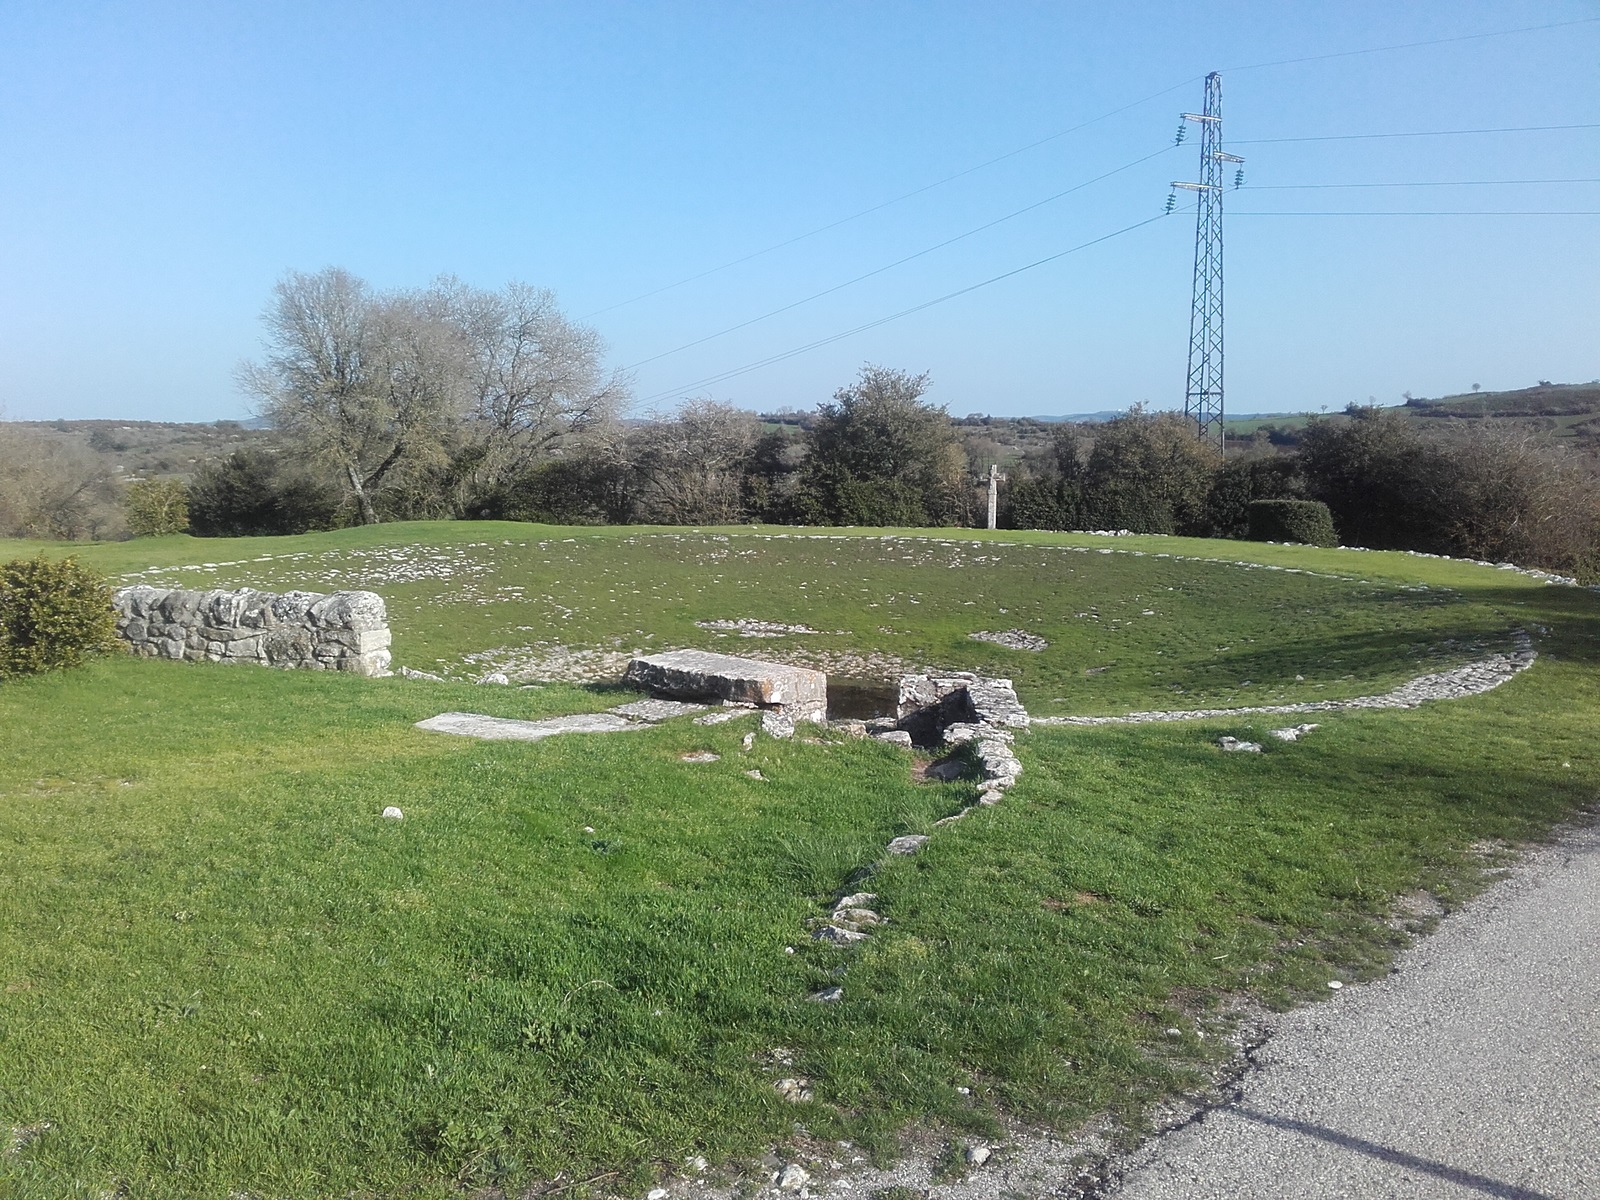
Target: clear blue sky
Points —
{"points": [[161, 164]]}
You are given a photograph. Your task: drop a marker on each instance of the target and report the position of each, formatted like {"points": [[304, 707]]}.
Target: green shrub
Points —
{"points": [[1304, 521], [157, 507], [53, 614]]}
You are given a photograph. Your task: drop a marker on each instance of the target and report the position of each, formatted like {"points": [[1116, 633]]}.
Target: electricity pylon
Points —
{"points": [[1203, 400]]}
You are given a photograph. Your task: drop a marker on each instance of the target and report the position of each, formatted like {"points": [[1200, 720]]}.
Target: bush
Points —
{"points": [[157, 507], [249, 493], [53, 615], [1305, 521]]}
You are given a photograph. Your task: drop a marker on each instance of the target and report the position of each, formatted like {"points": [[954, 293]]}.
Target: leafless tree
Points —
{"points": [[691, 467], [50, 489], [535, 379], [370, 383]]}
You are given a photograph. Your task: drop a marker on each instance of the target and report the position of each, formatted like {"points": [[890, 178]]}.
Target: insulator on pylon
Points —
{"points": [[1183, 132], [1238, 178], [1172, 201]]}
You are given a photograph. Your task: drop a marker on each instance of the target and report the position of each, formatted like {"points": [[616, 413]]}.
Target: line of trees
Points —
{"points": [[455, 402], [1475, 493]]}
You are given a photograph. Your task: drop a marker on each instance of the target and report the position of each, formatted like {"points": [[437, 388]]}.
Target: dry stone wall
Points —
{"points": [[343, 631]]}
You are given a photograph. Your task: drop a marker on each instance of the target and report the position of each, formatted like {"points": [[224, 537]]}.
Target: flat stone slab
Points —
{"points": [[502, 729], [657, 710], [701, 675]]}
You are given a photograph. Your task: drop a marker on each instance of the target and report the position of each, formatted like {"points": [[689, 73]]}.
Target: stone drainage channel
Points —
{"points": [[954, 710]]}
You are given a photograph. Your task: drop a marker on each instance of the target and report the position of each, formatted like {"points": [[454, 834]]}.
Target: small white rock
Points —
{"points": [[1334, 985], [829, 995], [496, 677], [978, 1155], [697, 1164], [793, 1177], [393, 814], [656, 1194]]}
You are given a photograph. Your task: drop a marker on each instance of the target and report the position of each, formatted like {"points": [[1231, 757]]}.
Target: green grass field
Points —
{"points": [[221, 971]]}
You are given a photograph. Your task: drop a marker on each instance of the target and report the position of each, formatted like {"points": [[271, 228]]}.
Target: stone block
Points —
{"points": [[701, 675]]}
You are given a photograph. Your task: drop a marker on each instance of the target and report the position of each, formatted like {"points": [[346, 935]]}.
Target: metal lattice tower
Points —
{"points": [[1203, 400]]}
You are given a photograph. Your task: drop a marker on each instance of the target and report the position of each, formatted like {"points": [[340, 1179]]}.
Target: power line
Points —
{"points": [[1047, 139], [867, 212], [1361, 137], [905, 312], [1442, 213], [1290, 187], [1466, 37], [900, 261]]}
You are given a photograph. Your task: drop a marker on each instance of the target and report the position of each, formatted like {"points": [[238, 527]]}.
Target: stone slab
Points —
{"points": [[502, 729], [657, 710], [701, 675]]}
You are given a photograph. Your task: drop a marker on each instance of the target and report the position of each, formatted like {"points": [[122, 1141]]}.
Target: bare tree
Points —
{"points": [[535, 379], [371, 384], [692, 468], [51, 489]]}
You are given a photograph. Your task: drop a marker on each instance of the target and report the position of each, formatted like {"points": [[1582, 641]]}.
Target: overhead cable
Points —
{"points": [[1077, 187], [1362, 137], [905, 312]]}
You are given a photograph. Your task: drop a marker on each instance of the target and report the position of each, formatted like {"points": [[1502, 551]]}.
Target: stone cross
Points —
{"points": [[995, 479]]}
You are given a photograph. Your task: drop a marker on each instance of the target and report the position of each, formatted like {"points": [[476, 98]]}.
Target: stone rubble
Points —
{"points": [[1473, 679], [342, 631], [777, 724], [747, 627], [1233, 744], [408, 673], [907, 843], [1012, 639], [1292, 734]]}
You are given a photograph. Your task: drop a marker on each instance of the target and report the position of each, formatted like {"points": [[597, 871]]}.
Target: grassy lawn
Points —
{"points": [[221, 971]]}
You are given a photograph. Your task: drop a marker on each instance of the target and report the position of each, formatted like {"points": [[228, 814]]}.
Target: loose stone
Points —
{"points": [[700, 756], [1233, 744], [895, 737], [978, 1155], [793, 1177], [830, 995], [908, 843], [838, 936], [393, 814]]}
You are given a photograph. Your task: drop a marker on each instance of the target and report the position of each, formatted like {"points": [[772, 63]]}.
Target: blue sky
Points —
{"points": [[162, 164]]}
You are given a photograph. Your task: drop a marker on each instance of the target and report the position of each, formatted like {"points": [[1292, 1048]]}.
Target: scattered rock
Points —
{"points": [[745, 627], [24, 1136], [978, 1155], [1293, 734], [495, 677], [393, 814], [838, 936], [700, 756], [850, 729], [408, 673], [657, 1194], [947, 770], [697, 1164], [777, 725], [908, 843], [830, 995], [748, 741], [1334, 985], [793, 1177], [1234, 745], [795, 1091], [857, 900], [756, 775], [1012, 639], [895, 737]]}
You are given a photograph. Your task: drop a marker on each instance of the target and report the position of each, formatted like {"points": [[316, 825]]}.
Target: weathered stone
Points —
{"points": [[857, 917], [795, 1091], [408, 673], [831, 995], [657, 710], [347, 632], [777, 725], [1233, 744], [502, 729], [393, 814], [1293, 734], [793, 1177], [907, 843], [838, 936], [700, 675], [895, 737], [858, 900], [700, 756]]}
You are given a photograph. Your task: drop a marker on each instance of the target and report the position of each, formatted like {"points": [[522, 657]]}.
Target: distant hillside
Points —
{"points": [[141, 449]]}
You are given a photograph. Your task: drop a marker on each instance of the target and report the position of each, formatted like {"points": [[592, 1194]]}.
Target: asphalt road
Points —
{"points": [[1472, 1071]]}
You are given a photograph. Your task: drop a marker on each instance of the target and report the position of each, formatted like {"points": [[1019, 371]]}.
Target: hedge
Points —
{"points": [[53, 614], [1304, 521]]}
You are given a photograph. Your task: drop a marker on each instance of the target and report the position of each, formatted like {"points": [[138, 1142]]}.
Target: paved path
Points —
{"points": [[1473, 1071]]}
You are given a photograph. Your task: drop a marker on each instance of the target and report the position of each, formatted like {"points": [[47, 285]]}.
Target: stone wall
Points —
{"points": [[345, 631]]}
